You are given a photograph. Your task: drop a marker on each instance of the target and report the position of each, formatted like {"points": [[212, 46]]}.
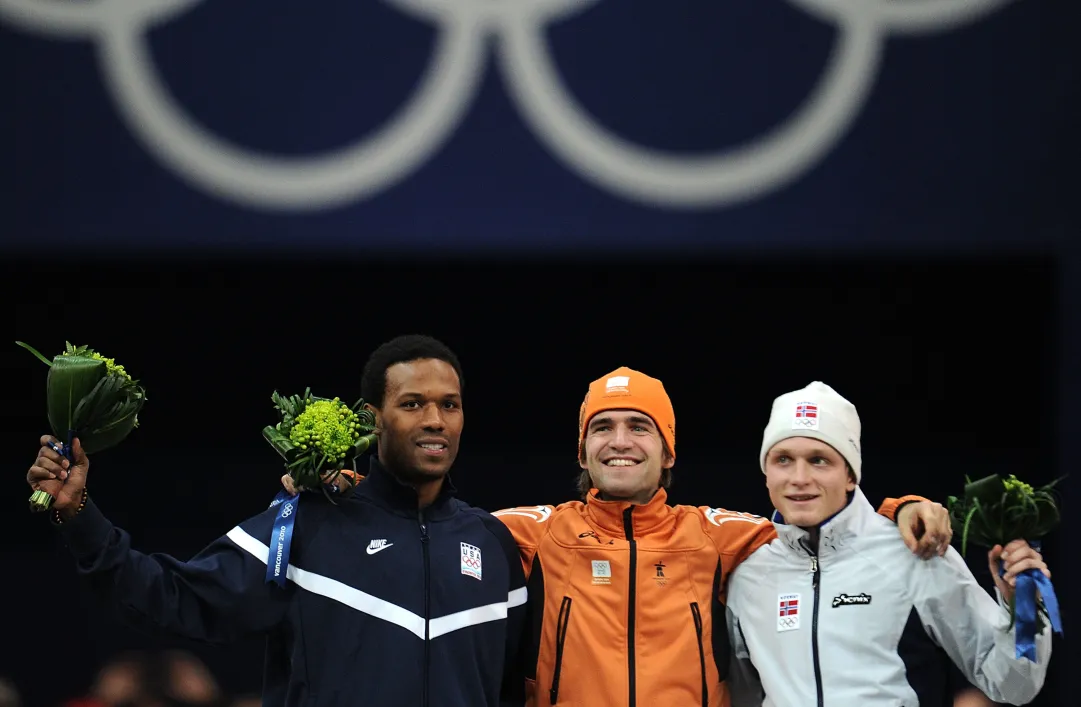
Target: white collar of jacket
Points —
{"points": [[834, 533]]}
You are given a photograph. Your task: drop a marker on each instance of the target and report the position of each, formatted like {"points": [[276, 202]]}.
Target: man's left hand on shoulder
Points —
{"points": [[925, 527]]}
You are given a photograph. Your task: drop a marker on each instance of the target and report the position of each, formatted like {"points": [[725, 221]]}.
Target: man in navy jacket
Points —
{"points": [[398, 595]]}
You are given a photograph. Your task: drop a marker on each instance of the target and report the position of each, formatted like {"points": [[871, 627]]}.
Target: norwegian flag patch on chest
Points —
{"points": [[787, 612]]}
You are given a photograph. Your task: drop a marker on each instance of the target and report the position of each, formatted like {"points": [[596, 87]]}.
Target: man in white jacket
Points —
{"points": [[837, 612]]}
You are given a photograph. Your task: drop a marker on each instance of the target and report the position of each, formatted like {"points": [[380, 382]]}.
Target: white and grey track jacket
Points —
{"points": [[854, 625]]}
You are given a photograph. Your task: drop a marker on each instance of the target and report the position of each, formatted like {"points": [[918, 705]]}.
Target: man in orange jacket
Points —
{"points": [[625, 590]]}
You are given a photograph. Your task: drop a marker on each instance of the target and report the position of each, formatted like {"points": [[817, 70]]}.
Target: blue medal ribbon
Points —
{"points": [[65, 450], [1025, 606], [281, 537], [68, 451]]}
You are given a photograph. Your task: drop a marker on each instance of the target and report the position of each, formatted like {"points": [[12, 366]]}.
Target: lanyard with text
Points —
{"points": [[281, 537]]}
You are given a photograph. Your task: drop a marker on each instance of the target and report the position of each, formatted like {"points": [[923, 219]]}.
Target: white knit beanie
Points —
{"points": [[816, 411]]}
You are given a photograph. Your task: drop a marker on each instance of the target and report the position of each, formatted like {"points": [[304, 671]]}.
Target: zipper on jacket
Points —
{"points": [[628, 531], [697, 614], [561, 636], [427, 602], [814, 630]]}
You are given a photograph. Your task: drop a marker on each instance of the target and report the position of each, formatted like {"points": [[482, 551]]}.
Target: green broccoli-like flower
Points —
{"points": [[111, 366], [327, 425], [1017, 488], [318, 437]]}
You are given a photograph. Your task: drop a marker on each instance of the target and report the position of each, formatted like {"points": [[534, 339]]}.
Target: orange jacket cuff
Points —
{"points": [[891, 506]]}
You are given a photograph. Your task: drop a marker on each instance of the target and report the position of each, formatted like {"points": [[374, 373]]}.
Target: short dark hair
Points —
{"points": [[410, 347]]}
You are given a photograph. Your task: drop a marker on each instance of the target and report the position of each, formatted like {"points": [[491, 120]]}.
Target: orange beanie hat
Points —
{"points": [[627, 389]]}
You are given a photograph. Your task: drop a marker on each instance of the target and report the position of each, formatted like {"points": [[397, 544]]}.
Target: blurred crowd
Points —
{"points": [[179, 679], [145, 679]]}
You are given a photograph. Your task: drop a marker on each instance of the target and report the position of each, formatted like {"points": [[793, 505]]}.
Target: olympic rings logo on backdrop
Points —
{"points": [[440, 102]]}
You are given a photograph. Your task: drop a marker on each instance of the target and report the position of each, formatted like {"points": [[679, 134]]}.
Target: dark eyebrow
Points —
{"points": [[812, 452], [633, 419], [415, 394]]}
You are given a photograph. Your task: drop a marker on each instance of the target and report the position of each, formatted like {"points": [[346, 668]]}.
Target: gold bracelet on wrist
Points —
{"points": [[82, 504]]}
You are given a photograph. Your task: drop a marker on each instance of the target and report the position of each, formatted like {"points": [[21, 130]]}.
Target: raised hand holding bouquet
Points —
{"points": [[993, 512], [320, 440], [89, 397]]}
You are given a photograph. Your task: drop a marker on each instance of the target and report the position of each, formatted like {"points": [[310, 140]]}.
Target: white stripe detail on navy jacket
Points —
{"points": [[380, 608]]}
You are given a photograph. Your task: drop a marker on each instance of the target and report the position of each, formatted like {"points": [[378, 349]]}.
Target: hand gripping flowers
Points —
{"points": [[316, 437], [993, 511], [89, 397]]}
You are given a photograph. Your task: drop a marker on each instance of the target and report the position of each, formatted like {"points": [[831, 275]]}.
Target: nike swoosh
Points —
{"points": [[372, 551]]}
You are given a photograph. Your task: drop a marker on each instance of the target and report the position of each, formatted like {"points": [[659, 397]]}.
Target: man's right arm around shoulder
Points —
{"points": [[219, 596], [737, 536], [528, 525]]}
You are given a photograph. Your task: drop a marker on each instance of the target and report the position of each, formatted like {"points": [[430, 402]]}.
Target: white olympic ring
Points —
{"points": [[438, 106]]}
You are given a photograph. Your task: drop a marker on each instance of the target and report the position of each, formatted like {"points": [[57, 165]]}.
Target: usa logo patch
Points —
{"points": [[471, 564]]}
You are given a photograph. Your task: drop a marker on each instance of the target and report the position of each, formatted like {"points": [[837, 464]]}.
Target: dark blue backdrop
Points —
{"points": [[956, 135]]}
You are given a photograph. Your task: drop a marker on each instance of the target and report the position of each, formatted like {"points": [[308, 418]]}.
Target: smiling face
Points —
{"points": [[421, 420], [624, 454], [808, 480]]}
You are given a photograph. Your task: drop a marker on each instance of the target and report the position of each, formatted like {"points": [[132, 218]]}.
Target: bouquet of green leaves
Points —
{"points": [[317, 437], [995, 511], [90, 397]]}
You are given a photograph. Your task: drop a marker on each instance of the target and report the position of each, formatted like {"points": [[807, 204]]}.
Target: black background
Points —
{"points": [[954, 364]]}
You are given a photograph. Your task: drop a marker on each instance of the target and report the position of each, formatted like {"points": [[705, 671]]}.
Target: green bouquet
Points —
{"points": [[90, 397], [317, 437], [995, 511]]}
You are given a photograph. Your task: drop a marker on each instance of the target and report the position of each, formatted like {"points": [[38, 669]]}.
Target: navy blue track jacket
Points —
{"points": [[385, 606]]}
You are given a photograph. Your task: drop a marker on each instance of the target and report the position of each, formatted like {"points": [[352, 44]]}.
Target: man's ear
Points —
{"points": [[378, 416]]}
